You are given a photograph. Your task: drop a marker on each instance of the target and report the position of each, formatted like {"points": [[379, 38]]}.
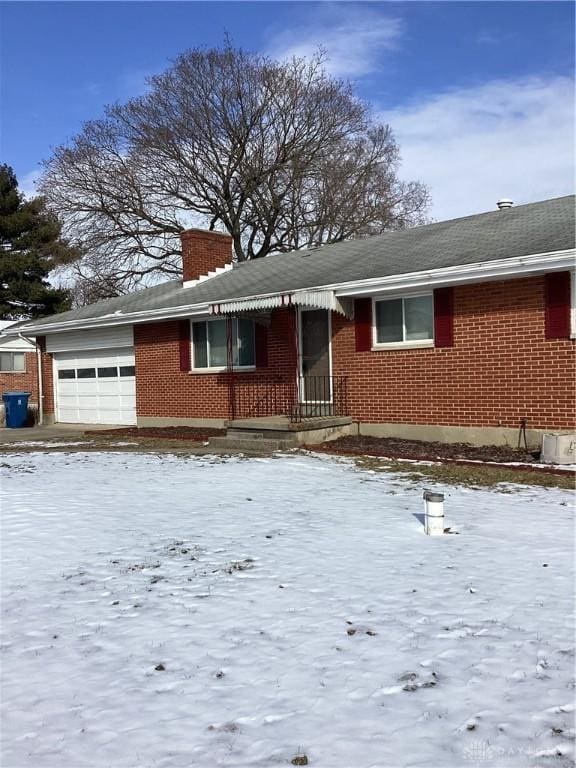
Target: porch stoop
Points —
{"points": [[275, 433]]}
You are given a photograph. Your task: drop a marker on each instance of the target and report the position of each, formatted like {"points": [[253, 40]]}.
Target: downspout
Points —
{"points": [[40, 380]]}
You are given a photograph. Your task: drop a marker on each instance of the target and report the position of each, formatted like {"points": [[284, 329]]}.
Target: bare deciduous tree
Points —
{"points": [[279, 155]]}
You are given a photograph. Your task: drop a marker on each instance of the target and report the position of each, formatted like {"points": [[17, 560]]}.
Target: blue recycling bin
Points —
{"points": [[16, 407]]}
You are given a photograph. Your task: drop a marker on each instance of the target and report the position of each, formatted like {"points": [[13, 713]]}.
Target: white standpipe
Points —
{"points": [[434, 509]]}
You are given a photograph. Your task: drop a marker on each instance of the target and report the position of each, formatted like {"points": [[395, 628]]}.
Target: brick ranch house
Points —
{"points": [[455, 330]]}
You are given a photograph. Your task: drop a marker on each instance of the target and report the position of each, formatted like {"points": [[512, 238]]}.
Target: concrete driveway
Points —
{"points": [[51, 432], [72, 438]]}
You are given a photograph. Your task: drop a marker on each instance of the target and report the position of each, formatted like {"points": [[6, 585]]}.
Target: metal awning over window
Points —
{"points": [[312, 299]]}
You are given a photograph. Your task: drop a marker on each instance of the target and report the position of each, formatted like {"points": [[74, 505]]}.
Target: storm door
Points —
{"points": [[315, 362]]}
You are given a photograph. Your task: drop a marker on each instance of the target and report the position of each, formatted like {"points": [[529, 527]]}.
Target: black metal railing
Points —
{"points": [[311, 397], [262, 396], [321, 396]]}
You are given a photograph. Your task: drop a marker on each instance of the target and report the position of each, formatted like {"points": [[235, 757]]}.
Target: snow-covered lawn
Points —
{"points": [[166, 611]]}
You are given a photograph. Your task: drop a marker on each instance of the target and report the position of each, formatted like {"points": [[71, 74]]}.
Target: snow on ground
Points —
{"points": [[167, 611], [48, 444], [60, 444]]}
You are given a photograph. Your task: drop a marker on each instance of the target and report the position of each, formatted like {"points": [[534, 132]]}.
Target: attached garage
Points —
{"points": [[94, 376]]}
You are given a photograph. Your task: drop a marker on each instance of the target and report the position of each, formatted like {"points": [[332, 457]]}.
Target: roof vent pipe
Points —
{"points": [[505, 202]]}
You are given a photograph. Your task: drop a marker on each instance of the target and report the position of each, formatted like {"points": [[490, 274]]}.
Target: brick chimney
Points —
{"points": [[203, 251]]}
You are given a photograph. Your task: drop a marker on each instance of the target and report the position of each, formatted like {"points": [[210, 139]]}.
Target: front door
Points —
{"points": [[315, 364]]}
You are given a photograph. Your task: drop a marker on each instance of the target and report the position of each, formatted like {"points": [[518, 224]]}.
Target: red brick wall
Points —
{"points": [[26, 381], [163, 391], [47, 377], [203, 252], [500, 369]]}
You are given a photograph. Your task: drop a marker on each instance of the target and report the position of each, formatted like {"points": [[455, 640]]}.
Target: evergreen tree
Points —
{"points": [[30, 247]]}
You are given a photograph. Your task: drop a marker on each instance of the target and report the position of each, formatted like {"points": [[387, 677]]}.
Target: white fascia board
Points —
{"points": [[480, 272], [117, 319]]}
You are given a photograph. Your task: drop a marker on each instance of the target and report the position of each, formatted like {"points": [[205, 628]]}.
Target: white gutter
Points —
{"points": [[502, 268], [120, 319], [550, 262], [40, 379]]}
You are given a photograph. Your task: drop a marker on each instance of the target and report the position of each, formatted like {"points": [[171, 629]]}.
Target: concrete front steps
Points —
{"points": [[277, 433]]}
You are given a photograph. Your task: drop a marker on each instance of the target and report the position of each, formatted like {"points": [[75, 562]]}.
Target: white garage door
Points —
{"points": [[96, 387]]}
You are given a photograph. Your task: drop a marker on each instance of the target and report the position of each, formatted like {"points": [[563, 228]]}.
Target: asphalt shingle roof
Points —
{"points": [[535, 228]]}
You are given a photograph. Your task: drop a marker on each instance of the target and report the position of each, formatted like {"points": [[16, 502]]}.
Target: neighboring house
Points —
{"points": [[455, 331], [18, 365]]}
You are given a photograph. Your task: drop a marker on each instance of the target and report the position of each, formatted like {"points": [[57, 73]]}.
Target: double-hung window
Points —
{"points": [[12, 362], [404, 321], [210, 345]]}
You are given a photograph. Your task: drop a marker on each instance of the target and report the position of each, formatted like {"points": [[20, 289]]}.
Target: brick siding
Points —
{"points": [[47, 376], [203, 252], [164, 391], [26, 381], [500, 369]]}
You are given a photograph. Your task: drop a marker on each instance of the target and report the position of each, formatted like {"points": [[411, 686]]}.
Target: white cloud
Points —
{"points": [[27, 184], [353, 37], [506, 138]]}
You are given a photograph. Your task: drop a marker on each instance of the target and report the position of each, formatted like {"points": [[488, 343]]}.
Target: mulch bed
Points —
{"points": [[425, 451], [199, 434], [445, 453], [393, 448]]}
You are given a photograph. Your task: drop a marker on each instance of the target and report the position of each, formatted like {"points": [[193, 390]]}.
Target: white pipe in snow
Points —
{"points": [[434, 508]]}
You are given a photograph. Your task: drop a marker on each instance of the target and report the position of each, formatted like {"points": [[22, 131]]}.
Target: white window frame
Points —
{"points": [[12, 353], [412, 344], [217, 369]]}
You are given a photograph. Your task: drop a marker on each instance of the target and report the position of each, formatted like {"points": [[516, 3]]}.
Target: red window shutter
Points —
{"points": [[558, 305], [184, 343], [261, 345], [363, 324], [444, 317]]}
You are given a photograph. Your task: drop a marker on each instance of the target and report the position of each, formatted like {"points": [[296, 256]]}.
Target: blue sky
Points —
{"points": [[480, 95]]}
